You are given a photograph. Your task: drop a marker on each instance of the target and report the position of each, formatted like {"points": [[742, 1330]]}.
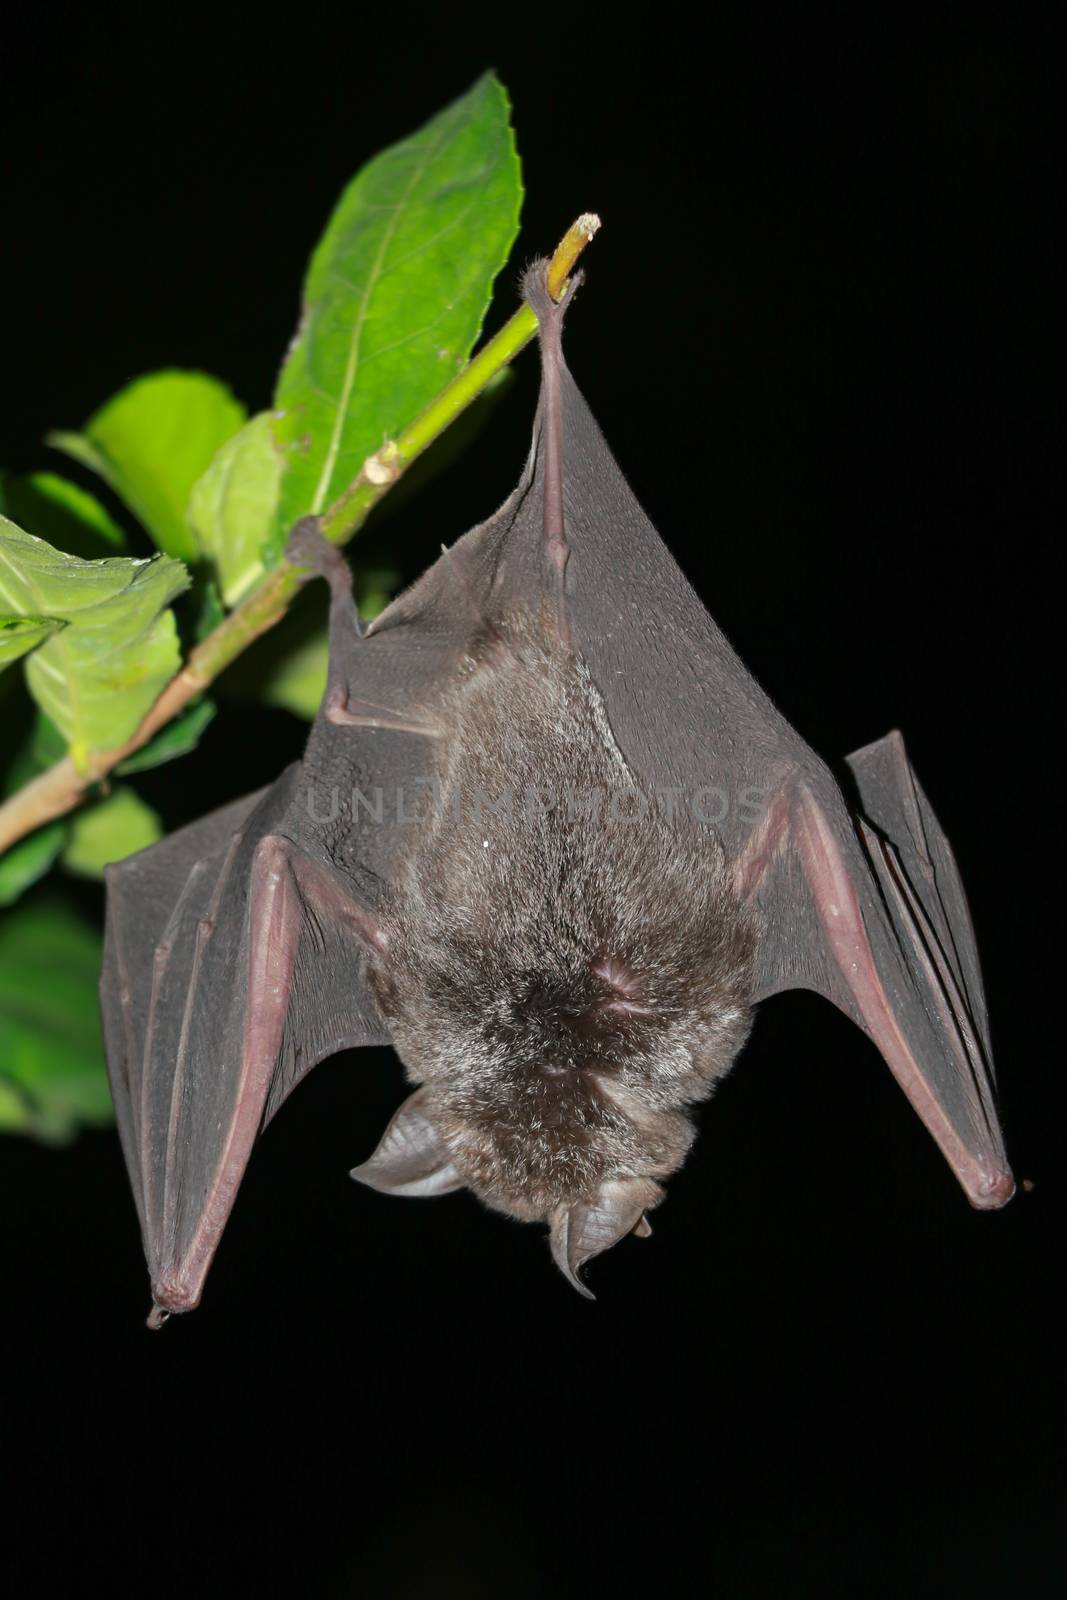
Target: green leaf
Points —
{"points": [[207, 609], [28, 860], [232, 507], [151, 443], [79, 449], [47, 744], [55, 509], [31, 754], [178, 738], [97, 677], [19, 634], [107, 831], [23, 863], [395, 295], [52, 1076]]}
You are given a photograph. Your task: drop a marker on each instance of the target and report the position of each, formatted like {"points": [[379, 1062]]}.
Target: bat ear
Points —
{"points": [[412, 1158], [589, 1227]]}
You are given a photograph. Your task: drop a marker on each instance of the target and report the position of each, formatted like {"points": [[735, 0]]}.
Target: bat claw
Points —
{"points": [[993, 1192]]}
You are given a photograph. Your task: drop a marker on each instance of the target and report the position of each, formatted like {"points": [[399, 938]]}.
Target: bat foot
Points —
{"points": [[307, 546]]}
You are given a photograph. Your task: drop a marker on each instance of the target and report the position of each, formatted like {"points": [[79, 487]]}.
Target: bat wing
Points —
{"points": [[233, 963], [866, 909]]}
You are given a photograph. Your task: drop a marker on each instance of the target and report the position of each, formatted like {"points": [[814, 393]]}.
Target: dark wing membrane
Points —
{"points": [[873, 917], [143, 892], [925, 903], [915, 861], [230, 969], [856, 913], [685, 712]]}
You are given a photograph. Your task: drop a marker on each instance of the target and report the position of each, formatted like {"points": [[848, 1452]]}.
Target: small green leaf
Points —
{"points": [[178, 738], [207, 609], [68, 516], [32, 754], [19, 634], [231, 508], [22, 864], [395, 295], [97, 677], [81, 450], [30, 859], [151, 443], [47, 744], [16, 1113], [52, 1076], [107, 831]]}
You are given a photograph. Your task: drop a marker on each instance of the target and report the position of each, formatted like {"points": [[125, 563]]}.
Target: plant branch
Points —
{"points": [[64, 786]]}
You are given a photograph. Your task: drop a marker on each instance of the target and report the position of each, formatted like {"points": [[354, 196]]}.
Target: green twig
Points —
{"points": [[63, 786]]}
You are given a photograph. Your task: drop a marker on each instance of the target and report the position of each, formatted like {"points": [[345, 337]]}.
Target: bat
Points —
{"points": [[552, 842]]}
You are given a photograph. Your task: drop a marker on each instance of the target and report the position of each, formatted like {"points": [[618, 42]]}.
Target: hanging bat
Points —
{"points": [[551, 841]]}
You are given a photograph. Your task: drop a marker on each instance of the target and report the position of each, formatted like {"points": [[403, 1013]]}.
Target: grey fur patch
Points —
{"points": [[565, 985]]}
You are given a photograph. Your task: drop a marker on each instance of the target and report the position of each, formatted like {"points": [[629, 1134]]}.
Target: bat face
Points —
{"points": [[565, 944], [565, 970]]}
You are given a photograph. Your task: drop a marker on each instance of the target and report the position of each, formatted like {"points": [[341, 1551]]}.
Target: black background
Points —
{"points": [[817, 331]]}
